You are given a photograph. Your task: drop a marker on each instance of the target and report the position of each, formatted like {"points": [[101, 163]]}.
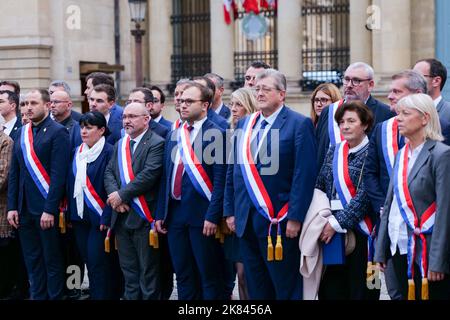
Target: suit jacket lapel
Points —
{"points": [[277, 125], [140, 146], [421, 160], [440, 105]]}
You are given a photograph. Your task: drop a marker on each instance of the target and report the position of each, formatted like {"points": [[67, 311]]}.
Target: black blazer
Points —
{"points": [[147, 163]]}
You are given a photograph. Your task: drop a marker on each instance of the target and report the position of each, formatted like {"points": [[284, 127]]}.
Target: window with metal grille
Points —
{"points": [[191, 39], [326, 42], [246, 51]]}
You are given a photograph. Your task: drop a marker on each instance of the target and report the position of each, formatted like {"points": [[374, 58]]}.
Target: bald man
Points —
{"points": [[133, 202], [61, 110]]}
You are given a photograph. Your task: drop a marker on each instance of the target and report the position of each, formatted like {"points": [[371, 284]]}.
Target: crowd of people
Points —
{"points": [[293, 207]]}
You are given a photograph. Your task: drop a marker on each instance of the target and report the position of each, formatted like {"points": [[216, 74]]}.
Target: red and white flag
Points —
{"points": [[251, 6], [229, 7], [268, 4]]}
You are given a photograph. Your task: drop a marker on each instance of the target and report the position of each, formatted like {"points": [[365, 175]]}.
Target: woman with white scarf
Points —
{"points": [[89, 214]]}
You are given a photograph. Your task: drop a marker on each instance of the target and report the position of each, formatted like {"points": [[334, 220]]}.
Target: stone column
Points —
{"points": [[290, 42], [160, 41], [392, 42], [360, 36], [222, 42]]}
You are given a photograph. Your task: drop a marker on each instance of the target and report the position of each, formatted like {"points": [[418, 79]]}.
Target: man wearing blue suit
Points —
{"points": [[96, 78], [33, 204], [191, 198], [287, 170], [218, 106], [103, 99], [358, 85], [211, 114], [9, 102], [159, 98], [145, 96]]}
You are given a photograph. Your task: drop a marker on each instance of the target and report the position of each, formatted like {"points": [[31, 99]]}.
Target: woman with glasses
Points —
{"points": [[344, 276], [89, 214], [324, 95], [243, 102], [415, 225]]}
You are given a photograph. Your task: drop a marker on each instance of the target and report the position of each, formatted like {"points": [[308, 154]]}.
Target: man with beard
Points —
{"points": [[358, 85]]}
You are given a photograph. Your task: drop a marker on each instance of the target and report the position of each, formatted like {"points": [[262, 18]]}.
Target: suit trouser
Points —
{"points": [[195, 259], [348, 281], [13, 275], [43, 259], [266, 280], [71, 253], [166, 268], [439, 290], [90, 241], [139, 262]]}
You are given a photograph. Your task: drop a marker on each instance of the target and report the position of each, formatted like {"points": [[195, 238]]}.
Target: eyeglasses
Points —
{"points": [[133, 116], [264, 89], [188, 102], [321, 100], [134, 101], [355, 81], [57, 101]]}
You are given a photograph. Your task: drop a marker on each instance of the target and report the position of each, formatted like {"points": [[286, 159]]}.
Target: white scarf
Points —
{"points": [[88, 155]]}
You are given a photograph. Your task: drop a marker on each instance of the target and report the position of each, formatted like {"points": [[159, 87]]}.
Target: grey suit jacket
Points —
{"points": [[443, 109], [147, 163], [428, 181]]}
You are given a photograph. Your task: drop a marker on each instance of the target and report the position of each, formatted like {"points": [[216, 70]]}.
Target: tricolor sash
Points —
{"points": [[389, 142], [347, 191], [126, 176], [192, 165], [32, 162], [91, 197], [333, 127], [176, 124], [122, 132], [254, 184], [409, 215]]}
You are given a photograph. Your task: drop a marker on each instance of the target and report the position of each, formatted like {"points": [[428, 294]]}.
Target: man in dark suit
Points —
{"points": [[436, 74], [211, 114], [59, 85], [159, 98], [358, 85], [103, 99], [218, 106], [96, 78], [9, 102], [191, 198], [33, 204], [283, 147], [60, 109], [139, 262], [145, 96]]}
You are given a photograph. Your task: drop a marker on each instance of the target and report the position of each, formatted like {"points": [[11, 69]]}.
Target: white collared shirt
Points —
{"points": [[193, 134], [437, 101], [270, 121], [137, 140], [332, 219], [9, 126], [107, 117], [219, 108], [158, 119], [397, 229]]}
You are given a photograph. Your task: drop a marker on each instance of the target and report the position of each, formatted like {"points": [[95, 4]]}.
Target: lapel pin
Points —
{"points": [[45, 129]]}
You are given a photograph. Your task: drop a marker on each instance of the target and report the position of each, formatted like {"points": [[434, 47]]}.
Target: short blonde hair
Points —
{"points": [[245, 97], [425, 105]]}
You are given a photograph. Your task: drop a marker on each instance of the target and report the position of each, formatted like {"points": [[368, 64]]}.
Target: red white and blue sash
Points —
{"points": [[347, 191], [333, 127], [409, 214], [389, 142], [32, 162], [91, 197], [192, 165], [176, 124], [253, 182], [127, 175]]}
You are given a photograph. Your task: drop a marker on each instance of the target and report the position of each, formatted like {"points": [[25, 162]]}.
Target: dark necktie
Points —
{"points": [[179, 175], [132, 143]]}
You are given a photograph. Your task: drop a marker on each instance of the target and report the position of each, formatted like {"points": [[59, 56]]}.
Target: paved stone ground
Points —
{"points": [[383, 295]]}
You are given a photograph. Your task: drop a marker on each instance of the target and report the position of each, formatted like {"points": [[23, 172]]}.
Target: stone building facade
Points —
{"points": [[44, 40]]}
